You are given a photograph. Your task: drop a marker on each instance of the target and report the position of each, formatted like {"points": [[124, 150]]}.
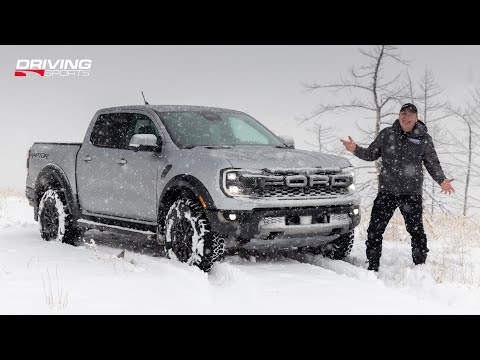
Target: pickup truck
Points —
{"points": [[199, 181]]}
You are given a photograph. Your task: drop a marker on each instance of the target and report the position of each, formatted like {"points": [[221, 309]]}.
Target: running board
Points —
{"points": [[107, 227]]}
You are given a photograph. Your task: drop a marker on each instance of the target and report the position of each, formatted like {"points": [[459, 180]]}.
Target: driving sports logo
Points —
{"points": [[49, 67]]}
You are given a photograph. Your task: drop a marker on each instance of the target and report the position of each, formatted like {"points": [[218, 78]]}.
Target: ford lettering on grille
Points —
{"points": [[314, 180], [299, 186]]}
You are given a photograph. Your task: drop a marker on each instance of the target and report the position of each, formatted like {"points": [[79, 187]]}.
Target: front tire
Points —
{"points": [[340, 248], [54, 219], [189, 238]]}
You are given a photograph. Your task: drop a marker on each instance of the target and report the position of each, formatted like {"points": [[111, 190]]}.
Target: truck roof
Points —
{"points": [[169, 108]]}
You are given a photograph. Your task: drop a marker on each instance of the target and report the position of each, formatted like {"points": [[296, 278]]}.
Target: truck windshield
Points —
{"points": [[208, 128]]}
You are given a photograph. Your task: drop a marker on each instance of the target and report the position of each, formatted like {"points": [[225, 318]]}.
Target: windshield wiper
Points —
{"points": [[219, 146], [209, 146]]}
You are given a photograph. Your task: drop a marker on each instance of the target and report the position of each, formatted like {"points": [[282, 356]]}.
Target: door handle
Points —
{"points": [[87, 158], [122, 161]]}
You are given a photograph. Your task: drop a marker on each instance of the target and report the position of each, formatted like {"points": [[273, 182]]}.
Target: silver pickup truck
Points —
{"points": [[201, 181]]}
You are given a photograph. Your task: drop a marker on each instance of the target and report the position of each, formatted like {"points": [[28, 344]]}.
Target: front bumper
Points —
{"points": [[285, 227]]}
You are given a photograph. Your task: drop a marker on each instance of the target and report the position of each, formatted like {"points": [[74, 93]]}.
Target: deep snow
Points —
{"points": [[38, 277]]}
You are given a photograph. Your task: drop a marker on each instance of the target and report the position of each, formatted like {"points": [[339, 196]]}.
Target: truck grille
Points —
{"points": [[275, 185], [301, 193], [269, 220]]}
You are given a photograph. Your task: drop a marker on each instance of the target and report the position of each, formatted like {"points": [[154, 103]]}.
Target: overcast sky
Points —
{"points": [[262, 80]]}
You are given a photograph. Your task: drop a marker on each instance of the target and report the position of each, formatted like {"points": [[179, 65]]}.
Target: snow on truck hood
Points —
{"points": [[260, 157]]}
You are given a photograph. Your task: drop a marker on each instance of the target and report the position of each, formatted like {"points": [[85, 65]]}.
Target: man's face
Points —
{"points": [[408, 119]]}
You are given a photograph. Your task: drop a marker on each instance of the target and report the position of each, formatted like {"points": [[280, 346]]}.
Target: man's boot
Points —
{"points": [[372, 265], [373, 256], [419, 255]]}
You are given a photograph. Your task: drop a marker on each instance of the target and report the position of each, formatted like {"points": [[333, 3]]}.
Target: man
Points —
{"points": [[404, 146]]}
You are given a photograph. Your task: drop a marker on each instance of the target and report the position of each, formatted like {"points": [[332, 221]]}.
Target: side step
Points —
{"points": [[89, 224]]}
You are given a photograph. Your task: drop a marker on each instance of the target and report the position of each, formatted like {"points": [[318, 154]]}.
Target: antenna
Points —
{"points": [[146, 103]]}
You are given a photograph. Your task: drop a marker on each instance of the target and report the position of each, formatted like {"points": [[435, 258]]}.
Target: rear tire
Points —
{"points": [[189, 238], [339, 248], [54, 219]]}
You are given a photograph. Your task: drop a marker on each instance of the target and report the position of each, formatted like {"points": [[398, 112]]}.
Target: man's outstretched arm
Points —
{"points": [[432, 164], [373, 152]]}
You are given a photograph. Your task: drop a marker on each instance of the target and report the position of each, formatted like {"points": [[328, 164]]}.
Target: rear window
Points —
{"points": [[111, 130]]}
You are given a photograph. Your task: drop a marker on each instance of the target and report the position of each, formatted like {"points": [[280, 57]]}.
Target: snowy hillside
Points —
{"points": [[96, 277]]}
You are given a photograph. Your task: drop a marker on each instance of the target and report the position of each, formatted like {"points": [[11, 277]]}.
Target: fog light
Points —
{"points": [[232, 216], [306, 220], [355, 211], [234, 189]]}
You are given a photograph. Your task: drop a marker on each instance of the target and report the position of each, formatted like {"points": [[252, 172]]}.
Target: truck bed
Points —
{"points": [[60, 155]]}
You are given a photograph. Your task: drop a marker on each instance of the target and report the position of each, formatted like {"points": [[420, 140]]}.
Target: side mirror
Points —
{"points": [[148, 141], [288, 140]]}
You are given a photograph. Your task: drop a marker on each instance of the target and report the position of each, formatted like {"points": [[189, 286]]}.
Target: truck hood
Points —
{"points": [[260, 157]]}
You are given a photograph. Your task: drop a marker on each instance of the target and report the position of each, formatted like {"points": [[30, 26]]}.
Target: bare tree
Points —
{"points": [[411, 90], [470, 118], [429, 100], [325, 137], [375, 93]]}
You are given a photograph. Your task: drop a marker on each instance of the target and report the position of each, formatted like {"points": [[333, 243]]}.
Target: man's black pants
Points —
{"points": [[383, 208]]}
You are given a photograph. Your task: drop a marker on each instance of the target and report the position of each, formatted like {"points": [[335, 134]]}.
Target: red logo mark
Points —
{"points": [[22, 72]]}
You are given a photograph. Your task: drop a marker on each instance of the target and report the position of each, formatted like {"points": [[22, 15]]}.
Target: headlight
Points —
{"points": [[350, 171], [236, 182]]}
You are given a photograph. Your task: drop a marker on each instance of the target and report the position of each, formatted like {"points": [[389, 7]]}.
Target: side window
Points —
{"points": [[111, 130], [141, 124]]}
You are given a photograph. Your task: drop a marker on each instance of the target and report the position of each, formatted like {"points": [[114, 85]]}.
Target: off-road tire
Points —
{"points": [[54, 219], [339, 248], [189, 237]]}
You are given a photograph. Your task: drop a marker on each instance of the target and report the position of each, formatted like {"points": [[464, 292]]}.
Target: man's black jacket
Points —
{"points": [[402, 156]]}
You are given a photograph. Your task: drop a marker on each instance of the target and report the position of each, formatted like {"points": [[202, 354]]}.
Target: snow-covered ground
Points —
{"points": [[38, 277]]}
